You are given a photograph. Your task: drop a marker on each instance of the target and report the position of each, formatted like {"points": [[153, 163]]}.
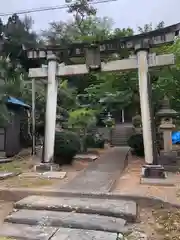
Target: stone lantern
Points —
{"points": [[166, 115]]}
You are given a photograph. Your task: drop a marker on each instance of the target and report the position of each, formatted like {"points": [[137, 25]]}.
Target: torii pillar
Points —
{"points": [[50, 116], [152, 169]]}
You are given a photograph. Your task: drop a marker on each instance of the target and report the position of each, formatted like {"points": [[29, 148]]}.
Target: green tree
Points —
{"points": [[81, 120]]}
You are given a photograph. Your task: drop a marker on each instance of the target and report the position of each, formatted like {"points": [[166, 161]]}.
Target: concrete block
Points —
{"points": [[45, 167]]}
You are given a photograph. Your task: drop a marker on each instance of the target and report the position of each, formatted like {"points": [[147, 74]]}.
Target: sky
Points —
{"points": [[125, 13]]}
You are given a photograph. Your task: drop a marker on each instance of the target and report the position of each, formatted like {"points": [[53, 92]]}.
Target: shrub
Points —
{"points": [[137, 144], [136, 121], [94, 141], [67, 145]]}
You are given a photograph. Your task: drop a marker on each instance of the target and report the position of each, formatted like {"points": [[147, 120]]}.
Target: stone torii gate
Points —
{"points": [[141, 60]]}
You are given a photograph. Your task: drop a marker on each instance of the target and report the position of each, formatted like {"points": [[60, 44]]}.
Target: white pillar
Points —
{"points": [[122, 115], [33, 117], [142, 56], [51, 105]]}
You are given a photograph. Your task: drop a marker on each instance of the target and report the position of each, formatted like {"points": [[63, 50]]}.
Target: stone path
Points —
{"points": [[45, 218], [100, 175], [74, 218]]}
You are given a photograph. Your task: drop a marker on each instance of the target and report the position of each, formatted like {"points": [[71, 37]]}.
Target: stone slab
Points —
{"points": [[5, 160], [86, 157], [115, 208], [26, 232], [67, 219], [5, 175], [49, 175], [54, 175], [157, 181], [80, 234], [46, 167]]}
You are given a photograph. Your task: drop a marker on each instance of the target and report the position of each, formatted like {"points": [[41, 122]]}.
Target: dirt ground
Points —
{"points": [[159, 222], [129, 184], [5, 209]]}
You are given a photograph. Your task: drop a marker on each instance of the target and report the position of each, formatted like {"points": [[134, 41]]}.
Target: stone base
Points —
{"points": [[157, 181], [168, 158], [153, 171], [46, 167]]}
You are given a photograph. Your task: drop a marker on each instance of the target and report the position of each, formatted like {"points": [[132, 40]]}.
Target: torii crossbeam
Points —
{"points": [[142, 61]]}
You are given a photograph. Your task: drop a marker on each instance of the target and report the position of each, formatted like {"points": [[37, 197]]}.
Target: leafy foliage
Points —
{"points": [[82, 118], [67, 145]]}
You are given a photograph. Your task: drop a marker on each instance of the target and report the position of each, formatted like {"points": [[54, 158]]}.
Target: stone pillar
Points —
{"points": [[142, 57], [51, 105], [167, 138], [122, 115]]}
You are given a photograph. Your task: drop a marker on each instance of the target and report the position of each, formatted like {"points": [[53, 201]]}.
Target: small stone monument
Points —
{"points": [[166, 115]]}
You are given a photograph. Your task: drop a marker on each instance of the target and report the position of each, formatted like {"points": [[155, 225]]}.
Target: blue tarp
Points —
{"points": [[175, 137], [16, 101]]}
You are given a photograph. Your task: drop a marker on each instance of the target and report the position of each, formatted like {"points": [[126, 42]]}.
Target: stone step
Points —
{"points": [[80, 234], [110, 207], [68, 220], [26, 232]]}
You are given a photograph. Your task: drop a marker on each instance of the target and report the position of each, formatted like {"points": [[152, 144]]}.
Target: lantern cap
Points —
{"points": [[166, 110]]}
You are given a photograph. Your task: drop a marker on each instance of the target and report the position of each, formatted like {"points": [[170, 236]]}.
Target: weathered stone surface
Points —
{"points": [[168, 158], [86, 157], [110, 207], [5, 175], [158, 181], [26, 232], [54, 175], [31, 175], [45, 167], [100, 175], [79, 234], [67, 219], [5, 160]]}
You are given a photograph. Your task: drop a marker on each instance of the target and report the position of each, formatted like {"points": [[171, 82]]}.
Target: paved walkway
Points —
{"points": [[100, 175]]}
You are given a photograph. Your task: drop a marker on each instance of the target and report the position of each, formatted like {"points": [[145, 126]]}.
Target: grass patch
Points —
{"points": [[16, 166], [20, 165], [18, 182]]}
